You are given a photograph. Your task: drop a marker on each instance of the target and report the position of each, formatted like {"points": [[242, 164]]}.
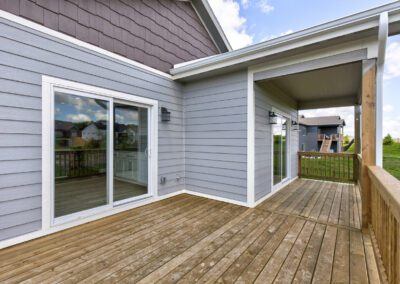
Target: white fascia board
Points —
{"points": [[216, 23], [364, 21], [64, 37], [369, 44]]}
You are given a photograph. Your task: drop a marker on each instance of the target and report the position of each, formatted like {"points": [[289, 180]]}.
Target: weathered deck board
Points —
{"points": [[306, 233]]}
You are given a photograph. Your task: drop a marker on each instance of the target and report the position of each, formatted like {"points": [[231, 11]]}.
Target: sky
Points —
{"points": [[247, 22]]}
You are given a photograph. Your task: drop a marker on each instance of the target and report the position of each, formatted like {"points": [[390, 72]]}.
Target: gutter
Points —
{"points": [[363, 21]]}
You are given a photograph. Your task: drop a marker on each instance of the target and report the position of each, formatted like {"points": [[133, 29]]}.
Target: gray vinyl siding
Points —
{"points": [[216, 136], [26, 55], [266, 98]]}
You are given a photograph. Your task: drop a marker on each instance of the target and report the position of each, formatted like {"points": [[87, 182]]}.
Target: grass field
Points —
{"points": [[391, 158]]}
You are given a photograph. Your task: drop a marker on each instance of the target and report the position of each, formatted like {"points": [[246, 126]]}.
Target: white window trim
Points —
{"points": [[48, 86]]}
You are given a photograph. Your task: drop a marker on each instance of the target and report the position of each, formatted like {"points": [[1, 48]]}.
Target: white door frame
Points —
{"points": [[49, 85]]}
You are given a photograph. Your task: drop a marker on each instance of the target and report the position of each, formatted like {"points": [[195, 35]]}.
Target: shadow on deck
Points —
{"points": [[307, 232]]}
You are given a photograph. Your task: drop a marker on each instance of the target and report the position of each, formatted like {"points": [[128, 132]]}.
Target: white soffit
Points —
{"points": [[319, 88]]}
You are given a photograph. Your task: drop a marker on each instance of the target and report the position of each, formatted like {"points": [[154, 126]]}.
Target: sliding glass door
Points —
{"points": [[100, 153], [130, 151], [280, 150]]}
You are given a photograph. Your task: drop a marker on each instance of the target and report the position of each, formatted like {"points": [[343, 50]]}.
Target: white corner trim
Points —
{"points": [[47, 121], [250, 139], [272, 193], [59, 35], [213, 197], [116, 210]]}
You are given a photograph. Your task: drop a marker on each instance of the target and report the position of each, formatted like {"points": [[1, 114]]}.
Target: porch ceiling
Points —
{"points": [[328, 87]]}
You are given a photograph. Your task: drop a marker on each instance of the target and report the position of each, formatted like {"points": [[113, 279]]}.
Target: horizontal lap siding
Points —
{"points": [[26, 55], [265, 99], [216, 136]]}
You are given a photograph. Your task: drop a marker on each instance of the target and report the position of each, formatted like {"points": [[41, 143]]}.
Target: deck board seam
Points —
{"points": [[339, 226]]}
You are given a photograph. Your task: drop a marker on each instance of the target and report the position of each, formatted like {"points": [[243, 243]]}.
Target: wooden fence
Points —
{"points": [[79, 163], [385, 219], [327, 166]]}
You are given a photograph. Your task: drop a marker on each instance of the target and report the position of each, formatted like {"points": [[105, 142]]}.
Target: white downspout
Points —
{"points": [[382, 40]]}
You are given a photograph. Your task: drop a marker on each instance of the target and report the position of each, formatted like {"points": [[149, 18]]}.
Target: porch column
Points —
{"points": [[368, 133]]}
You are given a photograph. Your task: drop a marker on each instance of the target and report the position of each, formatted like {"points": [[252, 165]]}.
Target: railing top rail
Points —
{"points": [[388, 187], [313, 154], [79, 150]]}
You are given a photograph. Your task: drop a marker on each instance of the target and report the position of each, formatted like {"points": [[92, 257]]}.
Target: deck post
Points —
{"points": [[368, 132]]}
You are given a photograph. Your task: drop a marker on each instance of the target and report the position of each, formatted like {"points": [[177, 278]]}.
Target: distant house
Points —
{"points": [[94, 131], [323, 134], [65, 133]]}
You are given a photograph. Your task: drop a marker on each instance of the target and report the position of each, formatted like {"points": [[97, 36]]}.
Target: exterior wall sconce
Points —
{"points": [[273, 118], [165, 114], [295, 126]]}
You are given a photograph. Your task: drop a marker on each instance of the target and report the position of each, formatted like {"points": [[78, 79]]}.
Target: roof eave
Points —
{"points": [[212, 25], [364, 21]]}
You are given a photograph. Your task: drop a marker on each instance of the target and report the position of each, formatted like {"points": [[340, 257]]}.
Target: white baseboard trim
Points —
{"points": [[116, 210], [274, 192], [125, 207], [227, 200]]}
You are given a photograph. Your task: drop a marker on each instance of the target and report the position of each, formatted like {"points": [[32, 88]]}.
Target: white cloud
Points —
{"points": [[392, 62], [78, 117], [245, 3], [101, 115], [346, 113], [265, 6], [275, 36], [234, 25], [388, 108]]}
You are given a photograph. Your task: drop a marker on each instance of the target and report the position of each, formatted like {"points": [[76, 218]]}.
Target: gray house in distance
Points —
{"points": [[323, 134], [182, 116]]}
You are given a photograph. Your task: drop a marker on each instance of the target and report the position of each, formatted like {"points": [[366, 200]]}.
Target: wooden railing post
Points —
{"points": [[368, 130], [299, 164]]}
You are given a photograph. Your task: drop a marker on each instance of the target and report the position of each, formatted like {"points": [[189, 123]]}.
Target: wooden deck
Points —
{"points": [[308, 232]]}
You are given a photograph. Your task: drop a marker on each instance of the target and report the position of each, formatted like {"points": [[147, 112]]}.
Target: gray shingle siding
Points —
{"points": [[265, 99], [216, 136], [26, 55]]}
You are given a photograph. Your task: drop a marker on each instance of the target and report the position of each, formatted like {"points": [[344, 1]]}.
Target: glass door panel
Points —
{"points": [[284, 149], [277, 151], [81, 126], [130, 151], [280, 150]]}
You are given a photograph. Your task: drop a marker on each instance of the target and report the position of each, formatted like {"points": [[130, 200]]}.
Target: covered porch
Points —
{"points": [[310, 231]]}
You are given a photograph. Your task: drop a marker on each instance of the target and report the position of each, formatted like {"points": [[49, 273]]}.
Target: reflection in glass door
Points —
{"points": [[100, 153], [130, 151], [279, 132], [80, 159]]}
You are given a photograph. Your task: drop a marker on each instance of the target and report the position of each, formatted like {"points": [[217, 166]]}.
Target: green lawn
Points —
{"points": [[328, 168], [391, 158]]}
